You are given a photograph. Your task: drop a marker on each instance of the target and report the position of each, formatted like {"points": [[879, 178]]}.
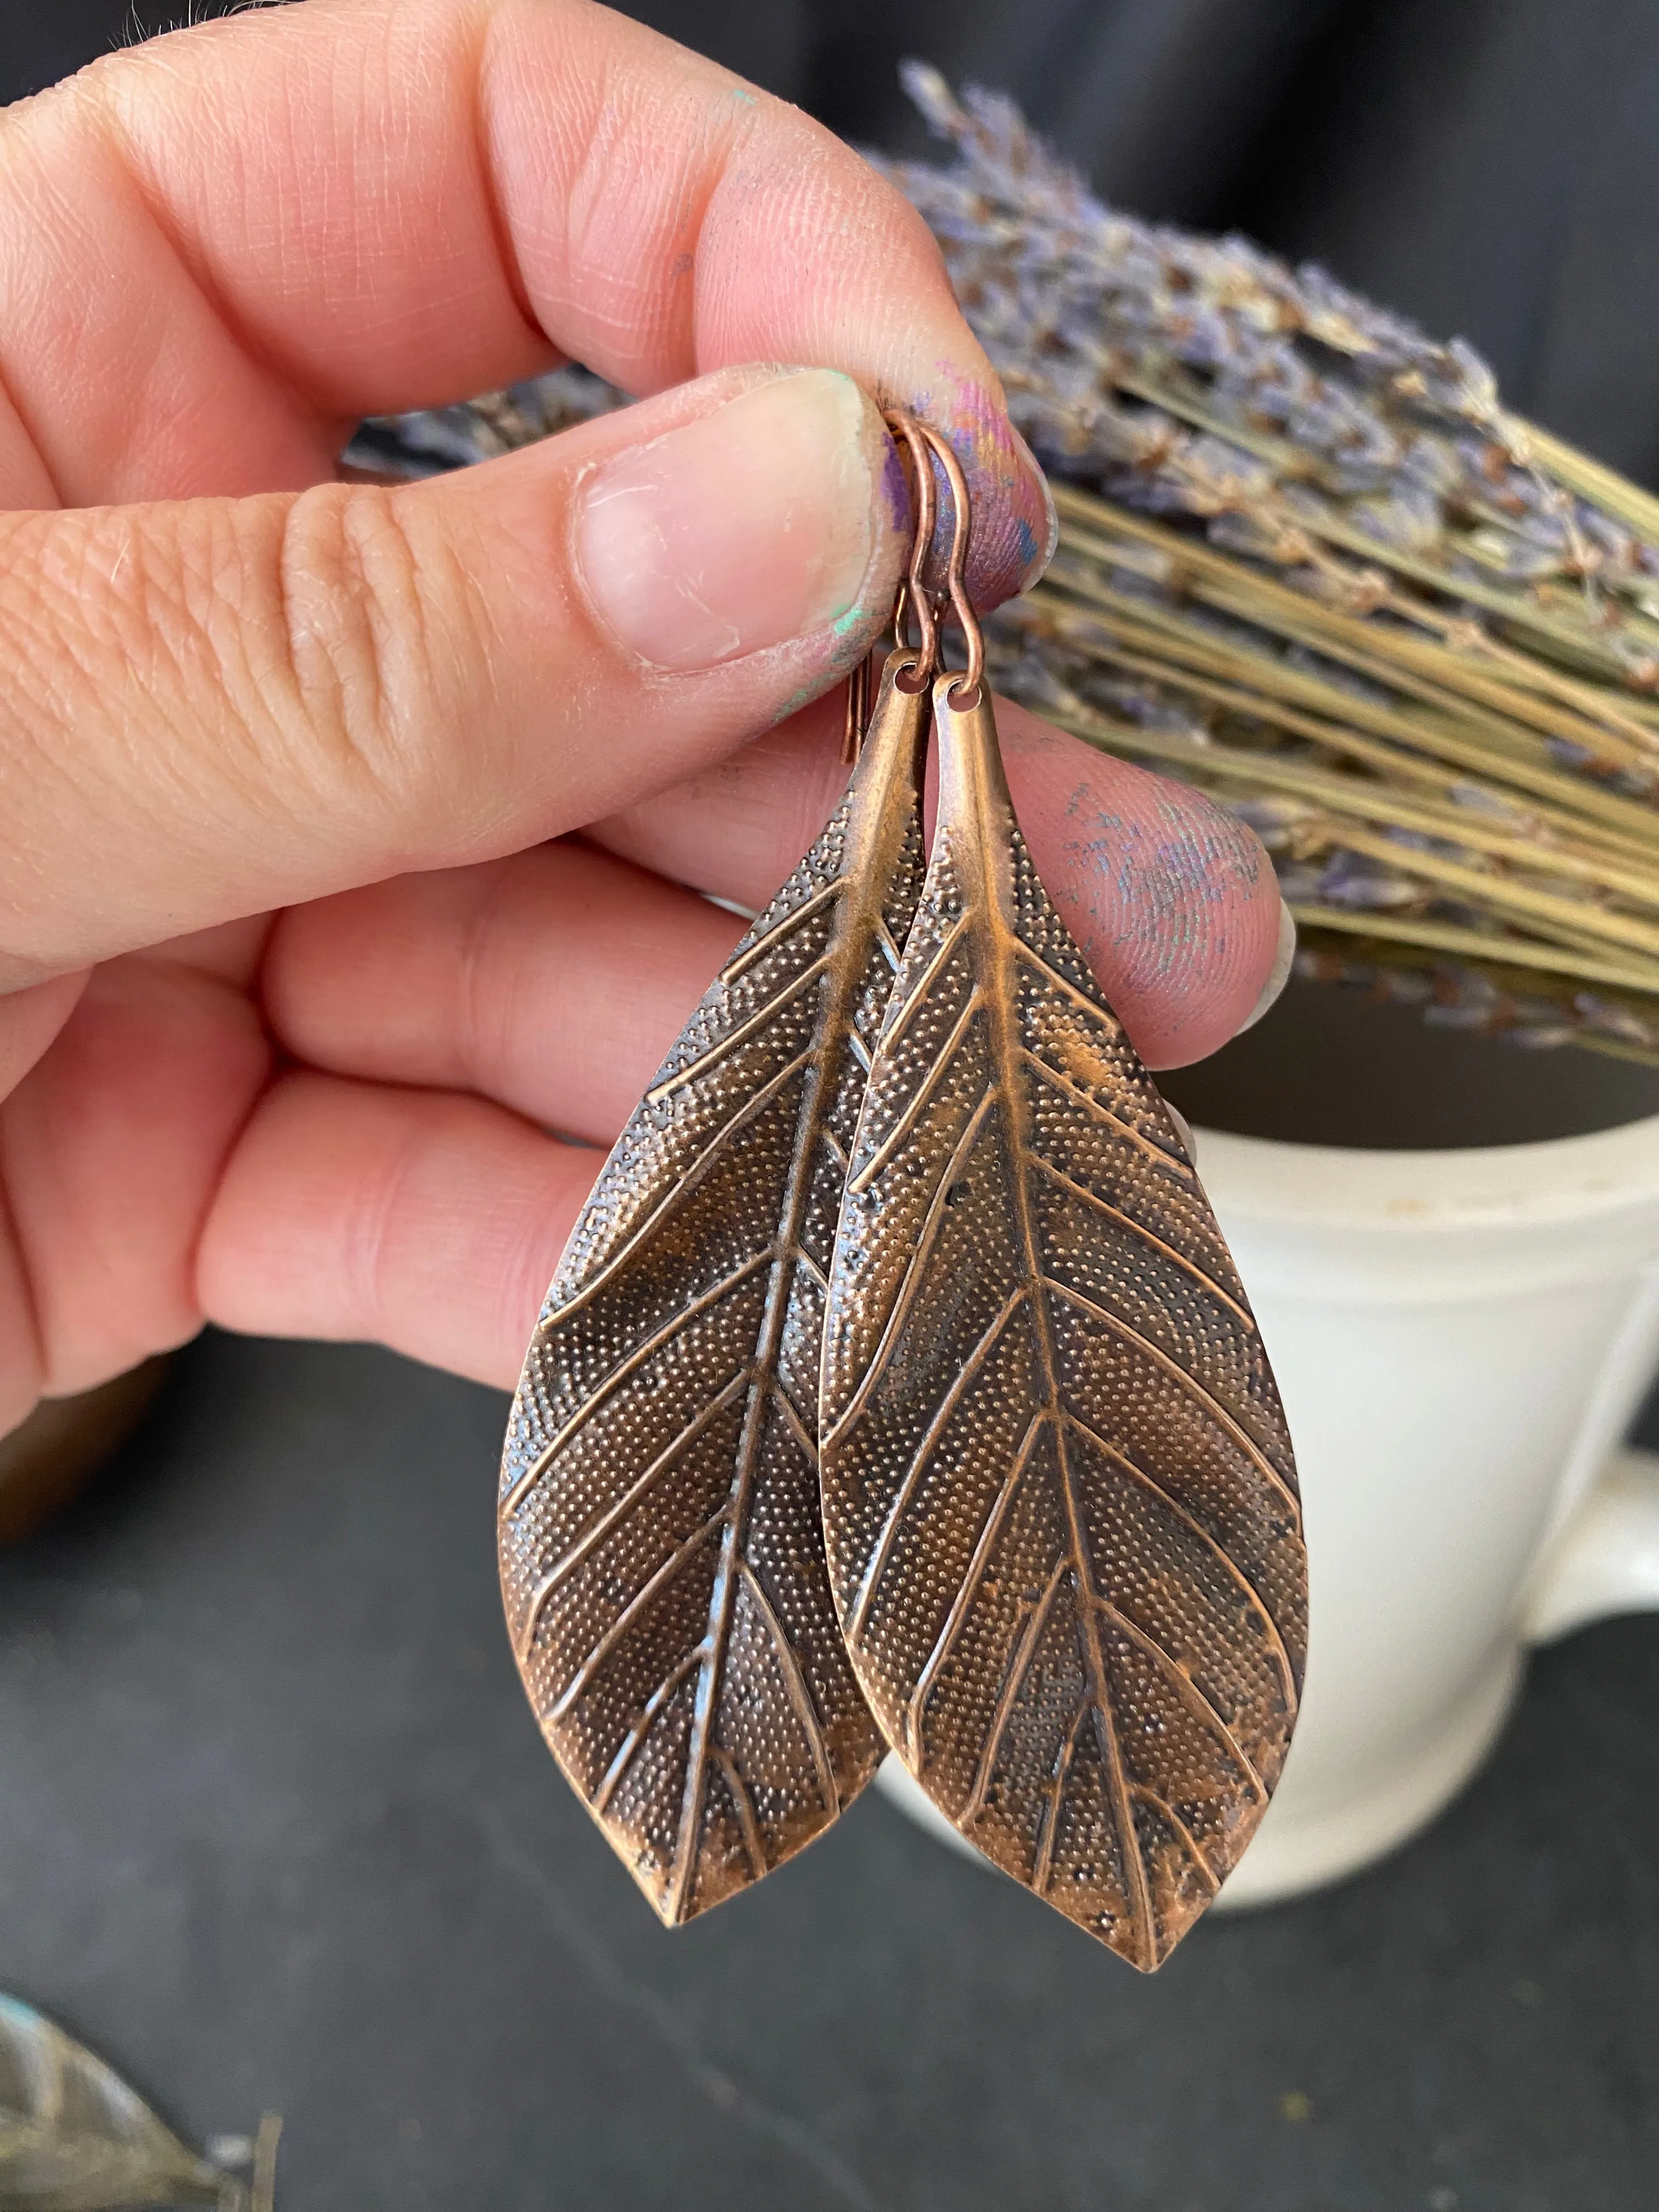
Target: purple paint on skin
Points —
{"points": [[1158, 882], [1015, 525], [896, 487]]}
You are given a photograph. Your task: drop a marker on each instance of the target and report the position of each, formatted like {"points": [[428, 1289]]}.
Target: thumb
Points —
{"points": [[213, 707]]}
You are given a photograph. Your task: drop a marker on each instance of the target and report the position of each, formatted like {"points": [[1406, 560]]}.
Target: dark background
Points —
{"points": [[276, 1828]]}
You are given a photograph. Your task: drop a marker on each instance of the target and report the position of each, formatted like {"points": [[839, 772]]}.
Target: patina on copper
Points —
{"points": [[1061, 1511], [660, 1537]]}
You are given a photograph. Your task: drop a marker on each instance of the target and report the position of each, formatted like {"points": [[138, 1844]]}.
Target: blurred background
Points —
{"points": [[276, 1829]]}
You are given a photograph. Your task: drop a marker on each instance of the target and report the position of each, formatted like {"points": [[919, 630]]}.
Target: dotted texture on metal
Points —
{"points": [[1062, 1518], [660, 1525]]}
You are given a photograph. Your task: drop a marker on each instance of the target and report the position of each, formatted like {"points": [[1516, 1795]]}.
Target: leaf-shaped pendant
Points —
{"points": [[660, 1532], [75, 2138], [1061, 1508]]}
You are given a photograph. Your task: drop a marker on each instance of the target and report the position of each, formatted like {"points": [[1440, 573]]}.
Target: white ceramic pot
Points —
{"points": [[1462, 1339]]}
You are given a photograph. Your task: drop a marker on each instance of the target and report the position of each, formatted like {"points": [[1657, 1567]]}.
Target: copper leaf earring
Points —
{"points": [[661, 1533], [1061, 1512]]}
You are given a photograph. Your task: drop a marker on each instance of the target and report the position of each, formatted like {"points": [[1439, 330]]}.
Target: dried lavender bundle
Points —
{"points": [[1310, 563]]}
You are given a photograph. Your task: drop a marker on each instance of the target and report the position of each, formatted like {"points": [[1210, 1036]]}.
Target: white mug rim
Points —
{"points": [[1420, 1193]]}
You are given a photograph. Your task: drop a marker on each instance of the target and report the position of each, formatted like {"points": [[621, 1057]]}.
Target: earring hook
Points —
{"points": [[925, 445]]}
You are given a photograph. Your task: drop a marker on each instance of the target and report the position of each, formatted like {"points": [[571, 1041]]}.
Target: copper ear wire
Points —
{"points": [[961, 524], [913, 594], [924, 444], [861, 684]]}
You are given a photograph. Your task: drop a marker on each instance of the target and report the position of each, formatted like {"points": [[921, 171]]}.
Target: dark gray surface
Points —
{"points": [[277, 1830]]}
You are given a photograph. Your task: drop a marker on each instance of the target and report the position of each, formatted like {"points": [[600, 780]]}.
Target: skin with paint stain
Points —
{"points": [[1015, 525]]}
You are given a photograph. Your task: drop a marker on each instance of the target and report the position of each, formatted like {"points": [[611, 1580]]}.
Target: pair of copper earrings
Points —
{"points": [[897, 1388]]}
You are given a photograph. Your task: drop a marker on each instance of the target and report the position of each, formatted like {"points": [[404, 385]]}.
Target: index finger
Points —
{"points": [[243, 236]]}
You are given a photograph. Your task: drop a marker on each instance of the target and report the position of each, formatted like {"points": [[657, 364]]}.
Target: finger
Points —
{"points": [[29, 1020], [552, 982], [29, 1023], [232, 951], [214, 707], [110, 1148], [229, 242], [1173, 901], [418, 1220]]}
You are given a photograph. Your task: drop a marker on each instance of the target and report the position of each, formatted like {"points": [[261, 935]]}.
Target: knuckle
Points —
{"points": [[361, 643], [300, 645]]}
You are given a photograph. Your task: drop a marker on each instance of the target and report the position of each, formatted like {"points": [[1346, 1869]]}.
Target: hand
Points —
{"points": [[303, 957]]}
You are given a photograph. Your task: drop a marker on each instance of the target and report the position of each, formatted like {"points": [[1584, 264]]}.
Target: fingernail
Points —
{"points": [[748, 527], [1280, 974]]}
